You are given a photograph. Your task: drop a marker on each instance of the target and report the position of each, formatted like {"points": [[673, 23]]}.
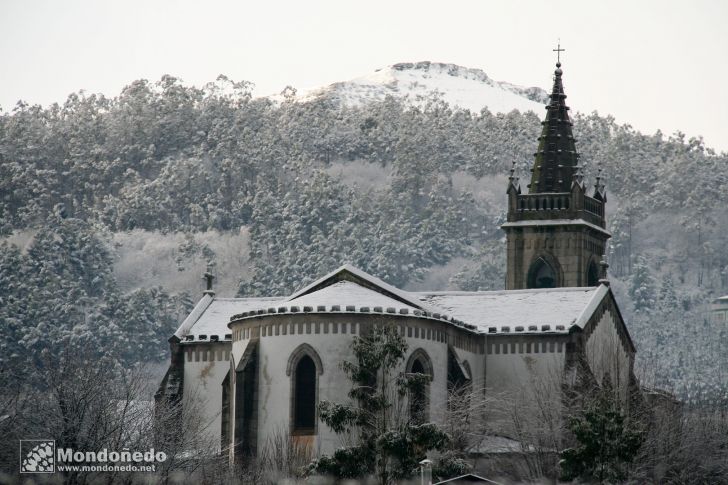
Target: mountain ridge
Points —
{"points": [[417, 82]]}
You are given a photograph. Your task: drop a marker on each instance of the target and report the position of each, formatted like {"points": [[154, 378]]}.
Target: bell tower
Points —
{"points": [[556, 233]]}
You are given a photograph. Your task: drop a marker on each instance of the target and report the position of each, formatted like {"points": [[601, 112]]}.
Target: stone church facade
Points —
{"points": [[254, 367]]}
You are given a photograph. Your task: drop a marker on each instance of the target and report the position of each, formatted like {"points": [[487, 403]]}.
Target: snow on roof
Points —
{"points": [[211, 315], [467, 478], [527, 311], [194, 315], [401, 295], [348, 293], [553, 310], [339, 294]]}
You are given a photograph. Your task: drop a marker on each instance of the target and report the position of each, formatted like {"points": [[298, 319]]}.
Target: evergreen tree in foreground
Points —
{"points": [[606, 441], [389, 443]]}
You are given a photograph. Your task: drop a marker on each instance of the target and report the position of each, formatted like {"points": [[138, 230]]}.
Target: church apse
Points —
{"points": [[556, 233]]}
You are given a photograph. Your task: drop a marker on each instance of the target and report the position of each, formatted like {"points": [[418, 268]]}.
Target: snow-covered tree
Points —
{"points": [[642, 286]]}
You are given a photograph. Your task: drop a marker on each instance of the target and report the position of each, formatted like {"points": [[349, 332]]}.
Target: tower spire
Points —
{"points": [[556, 234], [556, 160]]}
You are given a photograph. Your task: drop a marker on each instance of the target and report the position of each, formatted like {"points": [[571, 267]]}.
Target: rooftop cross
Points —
{"points": [[558, 51]]}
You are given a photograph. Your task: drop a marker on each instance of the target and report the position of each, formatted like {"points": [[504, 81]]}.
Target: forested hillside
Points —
{"points": [[412, 195]]}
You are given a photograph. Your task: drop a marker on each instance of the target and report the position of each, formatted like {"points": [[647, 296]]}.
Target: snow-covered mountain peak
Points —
{"points": [[464, 87]]}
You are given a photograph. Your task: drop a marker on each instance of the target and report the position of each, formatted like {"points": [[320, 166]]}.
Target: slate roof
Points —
{"points": [[515, 311], [212, 314], [466, 479], [348, 272], [348, 293], [348, 289]]}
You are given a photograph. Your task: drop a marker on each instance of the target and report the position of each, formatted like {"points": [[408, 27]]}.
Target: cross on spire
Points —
{"points": [[558, 51]]}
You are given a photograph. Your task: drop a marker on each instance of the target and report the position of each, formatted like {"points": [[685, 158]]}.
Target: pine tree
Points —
{"points": [[668, 299], [642, 286], [606, 441], [389, 443]]}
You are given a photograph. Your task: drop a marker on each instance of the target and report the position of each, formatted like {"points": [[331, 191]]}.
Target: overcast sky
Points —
{"points": [[654, 64]]}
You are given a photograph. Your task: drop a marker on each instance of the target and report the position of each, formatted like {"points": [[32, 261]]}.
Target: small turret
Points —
{"points": [[604, 280], [600, 192], [513, 181], [512, 178]]}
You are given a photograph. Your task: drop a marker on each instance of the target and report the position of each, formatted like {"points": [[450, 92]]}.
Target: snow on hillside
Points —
{"points": [[459, 86]]}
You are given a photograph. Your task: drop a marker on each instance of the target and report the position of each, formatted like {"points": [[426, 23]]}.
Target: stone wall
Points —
{"points": [[330, 337], [569, 249], [205, 367]]}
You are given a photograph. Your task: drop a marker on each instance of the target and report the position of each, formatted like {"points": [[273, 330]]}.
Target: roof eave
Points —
{"points": [[603, 291], [591, 306], [194, 315], [557, 222]]}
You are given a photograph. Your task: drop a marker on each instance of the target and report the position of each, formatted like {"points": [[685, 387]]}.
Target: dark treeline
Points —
{"points": [[166, 157], [61, 293], [162, 156]]}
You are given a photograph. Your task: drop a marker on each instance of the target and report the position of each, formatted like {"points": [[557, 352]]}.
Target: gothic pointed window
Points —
{"points": [[419, 363], [542, 275], [304, 395], [304, 367], [592, 276], [418, 396]]}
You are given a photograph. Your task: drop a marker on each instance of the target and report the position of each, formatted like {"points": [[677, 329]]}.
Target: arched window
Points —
{"points": [[304, 409], [592, 275], [419, 363], [304, 367], [418, 397], [542, 275]]}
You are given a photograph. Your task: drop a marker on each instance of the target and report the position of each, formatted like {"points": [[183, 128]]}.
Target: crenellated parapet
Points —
{"points": [[557, 205]]}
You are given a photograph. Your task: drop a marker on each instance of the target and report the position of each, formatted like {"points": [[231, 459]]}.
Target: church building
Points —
{"points": [[256, 366]]}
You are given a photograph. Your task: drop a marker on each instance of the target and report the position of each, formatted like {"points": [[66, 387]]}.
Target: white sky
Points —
{"points": [[654, 64]]}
